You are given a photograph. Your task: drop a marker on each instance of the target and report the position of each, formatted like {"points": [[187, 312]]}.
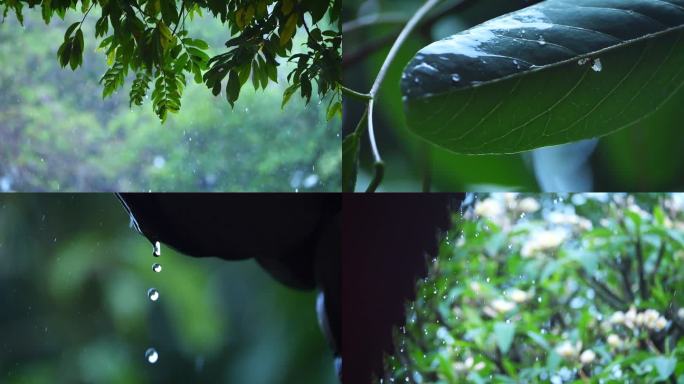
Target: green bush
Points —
{"points": [[550, 288]]}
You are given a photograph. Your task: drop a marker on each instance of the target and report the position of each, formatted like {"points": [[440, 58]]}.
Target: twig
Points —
{"points": [[179, 17], [408, 28], [355, 94], [625, 268], [611, 298], [661, 253], [643, 287]]}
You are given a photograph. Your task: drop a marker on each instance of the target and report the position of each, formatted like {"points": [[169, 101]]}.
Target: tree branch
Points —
{"points": [[643, 287]]}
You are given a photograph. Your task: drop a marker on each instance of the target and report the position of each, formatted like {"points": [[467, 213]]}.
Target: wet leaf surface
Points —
{"points": [[552, 73]]}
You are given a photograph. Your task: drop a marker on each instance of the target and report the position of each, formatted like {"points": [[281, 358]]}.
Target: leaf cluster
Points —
{"points": [[148, 38]]}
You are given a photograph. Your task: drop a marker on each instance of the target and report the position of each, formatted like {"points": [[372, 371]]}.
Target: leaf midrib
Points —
{"points": [[534, 69]]}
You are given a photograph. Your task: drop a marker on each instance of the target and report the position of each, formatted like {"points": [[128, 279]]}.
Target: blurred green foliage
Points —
{"points": [[551, 288], [58, 133], [644, 157], [73, 283]]}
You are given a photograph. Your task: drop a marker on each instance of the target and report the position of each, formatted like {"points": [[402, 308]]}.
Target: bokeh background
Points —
{"points": [[645, 157], [57, 134], [73, 283]]}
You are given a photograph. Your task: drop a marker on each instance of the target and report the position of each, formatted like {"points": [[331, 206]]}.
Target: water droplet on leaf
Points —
{"points": [[156, 267], [597, 66], [156, 249]]}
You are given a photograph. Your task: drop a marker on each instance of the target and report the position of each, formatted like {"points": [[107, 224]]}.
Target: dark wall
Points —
{"points": [[385, 241]]}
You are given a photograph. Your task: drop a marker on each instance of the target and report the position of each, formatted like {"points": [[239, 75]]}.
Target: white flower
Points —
{"points": [[614, 341], [660, 324], [567, 351], [630, 317], [519, 296], [528, 205], [560, 218], [509, 198], [467, 365], [549, 239], [587, 357], [617, 318], [502, 306], [680, 313], [640, 319], [651, 317], [489, 208], [543, 241]]}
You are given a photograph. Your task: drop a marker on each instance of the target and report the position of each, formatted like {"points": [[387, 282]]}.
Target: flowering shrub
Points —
{"points": [[550, 288]]}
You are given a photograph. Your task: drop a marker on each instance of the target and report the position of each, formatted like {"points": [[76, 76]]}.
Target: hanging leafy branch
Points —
{"points": [[148, 38]]}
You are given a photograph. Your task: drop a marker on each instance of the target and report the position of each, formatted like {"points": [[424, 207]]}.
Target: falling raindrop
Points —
{"points": [[151, 355], [597, 66], [156, 267], [153, 294], [156, 250]]}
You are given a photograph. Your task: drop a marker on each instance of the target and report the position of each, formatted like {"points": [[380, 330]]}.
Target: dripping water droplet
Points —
{"points": [[156, 250], [156, 267], [151, 355], [153, 294], [455, 78]]}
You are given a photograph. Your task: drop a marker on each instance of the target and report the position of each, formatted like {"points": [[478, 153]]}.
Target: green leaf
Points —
{"points": [[288, 94], [504, 332], [333, 110], [233, 87], [350, 162], [169, 11], [552, 73], [664, 365], [316, 8]]}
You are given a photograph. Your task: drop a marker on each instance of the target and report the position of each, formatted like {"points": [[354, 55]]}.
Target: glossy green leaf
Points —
{"points": [[555, 72]]}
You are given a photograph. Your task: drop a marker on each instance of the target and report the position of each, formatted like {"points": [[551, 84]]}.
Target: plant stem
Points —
{"points": [[661, 253], [408, 28], [643, 288], [355, 94]]}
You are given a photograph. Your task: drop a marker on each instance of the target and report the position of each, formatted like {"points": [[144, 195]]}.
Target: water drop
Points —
{"points": [[541, 40], [156, 250], [597, 66], [151, 355], [583, 61], [153, 294], [455, 77], [156, 267]]}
